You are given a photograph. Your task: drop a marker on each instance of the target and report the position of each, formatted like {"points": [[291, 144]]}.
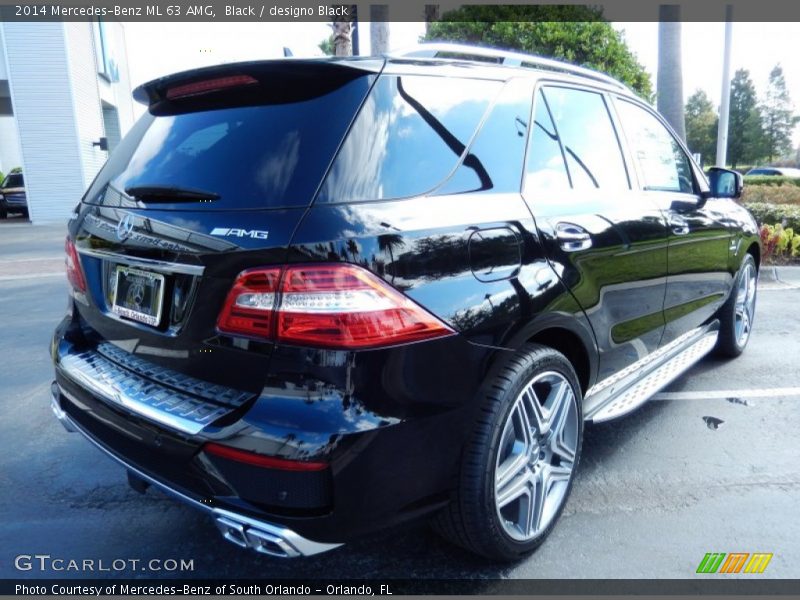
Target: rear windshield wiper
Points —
{"points": [[169, 193]]}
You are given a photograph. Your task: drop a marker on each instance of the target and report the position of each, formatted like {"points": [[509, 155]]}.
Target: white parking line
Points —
{"points": [[31, 276], [723, 394]]}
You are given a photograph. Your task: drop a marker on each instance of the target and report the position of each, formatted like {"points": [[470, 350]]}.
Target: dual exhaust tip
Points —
{"points": [[246, 536]]}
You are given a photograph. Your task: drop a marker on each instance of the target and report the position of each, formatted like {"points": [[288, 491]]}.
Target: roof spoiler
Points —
{"points": [[258, 82]]}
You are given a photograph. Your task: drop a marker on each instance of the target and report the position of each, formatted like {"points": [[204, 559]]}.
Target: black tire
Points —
{"points": [[3, 213], [729, 344], [471, 520]]}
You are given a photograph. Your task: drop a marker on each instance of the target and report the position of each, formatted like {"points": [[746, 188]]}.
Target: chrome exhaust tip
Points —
{"points": [[246, 536], [55, 406]]}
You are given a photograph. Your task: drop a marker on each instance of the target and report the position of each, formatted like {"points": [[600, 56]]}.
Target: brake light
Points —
{"points": [[73, 263], [208, 85], [330, 306], [260, 460]]}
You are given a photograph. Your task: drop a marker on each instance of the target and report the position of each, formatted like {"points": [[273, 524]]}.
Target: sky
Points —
{"points": [[156, 49]]}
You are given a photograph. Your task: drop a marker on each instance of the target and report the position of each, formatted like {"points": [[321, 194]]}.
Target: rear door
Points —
{"points": [[606, 242], [699, 238]]}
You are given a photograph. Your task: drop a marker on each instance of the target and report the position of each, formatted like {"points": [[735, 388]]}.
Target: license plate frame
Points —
{"points": [[139, 288]]}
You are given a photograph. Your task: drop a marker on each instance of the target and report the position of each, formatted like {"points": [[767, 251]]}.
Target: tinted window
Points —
{"points": [[410, 134], [590, 143], [494, 162], [545, 168], [14, 180], [663, 164], [267, 155]]}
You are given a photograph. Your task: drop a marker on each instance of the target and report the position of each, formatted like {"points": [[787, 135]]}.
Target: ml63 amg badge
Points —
{"points": [[256, 234]]}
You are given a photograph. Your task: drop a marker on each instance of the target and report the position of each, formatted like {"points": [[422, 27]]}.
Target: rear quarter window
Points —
{"points": [[409, 136]]}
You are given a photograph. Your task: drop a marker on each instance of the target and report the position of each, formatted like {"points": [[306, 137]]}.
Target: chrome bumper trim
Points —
{"points": [[261, 536], [140, 391], [146, 263]]}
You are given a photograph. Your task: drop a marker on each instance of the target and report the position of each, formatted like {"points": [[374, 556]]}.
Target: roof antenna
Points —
{"points": [[287, 52]]}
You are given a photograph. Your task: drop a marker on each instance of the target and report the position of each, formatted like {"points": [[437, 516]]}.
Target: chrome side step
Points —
{"points": [[625, 391]]}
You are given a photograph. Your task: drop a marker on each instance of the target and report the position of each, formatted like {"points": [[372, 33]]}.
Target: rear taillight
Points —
{"points": [[249, 309], [74, 272], [330, 306]]}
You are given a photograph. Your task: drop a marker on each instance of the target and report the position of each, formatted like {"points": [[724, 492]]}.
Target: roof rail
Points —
{"points": [[503, 57]]}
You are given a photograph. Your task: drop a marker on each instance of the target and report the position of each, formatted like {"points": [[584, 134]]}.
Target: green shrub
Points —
{"points": [[783, 194], [771, 180], [779, 243], [786, 214]]}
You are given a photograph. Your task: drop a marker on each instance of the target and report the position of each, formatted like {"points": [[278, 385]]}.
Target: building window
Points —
{"points": [[104, 51]]}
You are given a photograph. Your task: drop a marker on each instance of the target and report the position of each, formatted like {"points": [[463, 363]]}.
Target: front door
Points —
{"points": [[698, 277]]}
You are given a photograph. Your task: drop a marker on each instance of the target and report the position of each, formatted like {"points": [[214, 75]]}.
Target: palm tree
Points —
{"points": [[669, 84], [342, 40], [379, 29]]}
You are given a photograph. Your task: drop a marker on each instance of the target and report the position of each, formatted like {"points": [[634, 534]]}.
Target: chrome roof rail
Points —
{"points": [[503, 57]]}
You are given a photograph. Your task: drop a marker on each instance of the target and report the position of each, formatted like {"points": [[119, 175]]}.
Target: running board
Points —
{"points": [[625, 391]]}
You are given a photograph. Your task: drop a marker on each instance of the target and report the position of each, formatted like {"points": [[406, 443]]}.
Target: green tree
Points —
{"points": [[778, 116], [701, 125], [326, 45], [577, 34], [746, 142]]}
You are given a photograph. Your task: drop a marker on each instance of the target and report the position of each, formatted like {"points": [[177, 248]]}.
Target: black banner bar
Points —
{"points": [[399, 10], [705, 585]]}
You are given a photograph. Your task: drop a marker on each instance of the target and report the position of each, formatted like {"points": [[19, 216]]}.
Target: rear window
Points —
{"points": [[408, 137], [14, 180], [264, 156]]}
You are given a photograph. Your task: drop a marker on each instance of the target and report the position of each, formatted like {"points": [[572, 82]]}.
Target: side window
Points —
{"points": [[494, 161], [591, 147], [545, 168], [663, 164], [409, 135]]}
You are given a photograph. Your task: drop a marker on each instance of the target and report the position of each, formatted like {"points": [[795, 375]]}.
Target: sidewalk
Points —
{"points": [[779, 277]]}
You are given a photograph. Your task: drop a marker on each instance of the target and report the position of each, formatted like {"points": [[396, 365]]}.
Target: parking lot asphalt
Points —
{"points": [[710, 465]]}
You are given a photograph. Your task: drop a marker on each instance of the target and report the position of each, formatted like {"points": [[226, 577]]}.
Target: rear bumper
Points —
{"points": [[14, 201], [391, 425], [240, 529]]}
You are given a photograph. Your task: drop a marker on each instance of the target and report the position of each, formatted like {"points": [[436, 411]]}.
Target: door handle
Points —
{"points": [[679, 225], [572, 238]]}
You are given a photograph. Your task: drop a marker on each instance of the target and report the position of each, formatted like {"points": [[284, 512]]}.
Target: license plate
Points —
{"points": [[138, 295]]}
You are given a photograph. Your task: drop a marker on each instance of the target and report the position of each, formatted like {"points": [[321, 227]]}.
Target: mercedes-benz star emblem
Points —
{"points": [[125, 228]]}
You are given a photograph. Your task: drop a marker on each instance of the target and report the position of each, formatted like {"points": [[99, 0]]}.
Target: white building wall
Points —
{"points": [[10, 155], [86, 97], [3, 72], [38, 73]]}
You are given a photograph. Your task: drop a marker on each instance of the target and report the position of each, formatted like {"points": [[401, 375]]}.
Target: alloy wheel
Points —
{"points": [[536, 456], [745, 303]]}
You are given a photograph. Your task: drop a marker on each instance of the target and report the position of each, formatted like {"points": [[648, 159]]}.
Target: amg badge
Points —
{"points": [[256, 234]]}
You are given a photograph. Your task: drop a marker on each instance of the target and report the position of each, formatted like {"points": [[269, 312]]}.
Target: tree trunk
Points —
{"points": [[669, 86], [342, 42], [431, 14], [379, 29]]}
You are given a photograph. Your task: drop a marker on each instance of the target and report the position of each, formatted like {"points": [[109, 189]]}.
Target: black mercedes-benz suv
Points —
{"points": [[315, 298]]}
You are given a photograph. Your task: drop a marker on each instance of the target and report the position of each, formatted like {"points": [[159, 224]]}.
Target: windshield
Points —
{"points": [[14, 180], [264, 156]]}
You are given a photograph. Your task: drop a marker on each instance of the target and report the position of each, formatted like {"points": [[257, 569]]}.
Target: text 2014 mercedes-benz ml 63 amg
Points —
{"points": [[315, 298]]}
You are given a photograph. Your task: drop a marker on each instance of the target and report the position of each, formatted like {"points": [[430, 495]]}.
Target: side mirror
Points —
{"points": [[725, 183]]}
